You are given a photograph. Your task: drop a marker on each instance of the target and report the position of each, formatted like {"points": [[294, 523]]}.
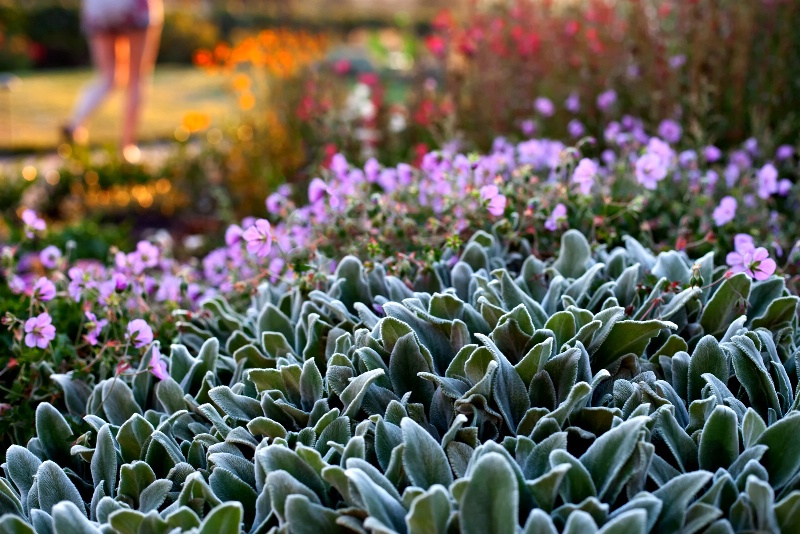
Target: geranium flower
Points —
{"points": [[650, 170], [158, 366], [584, 175], [575, 128], [670, 130], [784, 152], [497, 202], [606, 99], [755, 263], [139, 333], [16, 284], [725, 212], [544, 106], [50, 256], [316, 190], [233, 234], [32, 223], [743, 243], [573, 103], [39, 331], [93, 327], [767, 180], [559, 213], [259, 238], [44, 290], [712, 153]]}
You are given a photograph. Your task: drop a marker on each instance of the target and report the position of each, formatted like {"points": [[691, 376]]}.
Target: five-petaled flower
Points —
{"points": [[754, 262], [259, 238], [44, 290], [725, 212], [139, 333], [158, 366], [559, 213], [39, 331], [496, 201]]}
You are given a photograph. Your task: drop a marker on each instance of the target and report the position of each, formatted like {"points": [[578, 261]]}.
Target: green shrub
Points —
{"points": [[606, 391]]}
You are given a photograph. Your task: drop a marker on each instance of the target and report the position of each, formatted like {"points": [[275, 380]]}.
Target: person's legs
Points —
{"points": [[142, 56], [102, 48]]}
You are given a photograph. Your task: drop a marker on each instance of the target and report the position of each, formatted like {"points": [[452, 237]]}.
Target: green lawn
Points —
{"points": [[30, 116]]}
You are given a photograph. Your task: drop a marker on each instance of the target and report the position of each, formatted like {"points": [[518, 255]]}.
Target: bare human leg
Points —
{"points": [[103, 58], [142, 55]]}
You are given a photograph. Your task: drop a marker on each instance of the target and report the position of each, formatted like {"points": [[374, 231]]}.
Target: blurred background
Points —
{"points": [[251, 94]]}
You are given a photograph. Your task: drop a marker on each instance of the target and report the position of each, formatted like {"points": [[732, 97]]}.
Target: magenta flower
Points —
{"points": [[559, 213], [32, 222], [606, 99], [784, 152], [39, 331], [712, 153], [544, 106], [725, 212], [497, 201], [584, 175], [755, 263], [158, 366], [670, 131], [650, 170], [50, 256], [233, 234], [93, 327], [767, 180], [316, 190], [139, 333], [528, 127], [259, 238], [44, 290]]}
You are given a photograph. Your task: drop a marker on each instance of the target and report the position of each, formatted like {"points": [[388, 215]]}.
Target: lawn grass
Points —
{"points": [[30, 115]]}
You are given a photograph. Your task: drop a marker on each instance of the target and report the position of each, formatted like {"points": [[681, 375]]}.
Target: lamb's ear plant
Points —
{"points": [[609, 391]]}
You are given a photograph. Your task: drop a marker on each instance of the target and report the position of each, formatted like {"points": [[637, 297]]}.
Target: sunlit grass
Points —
{"points": [[32, 113]]}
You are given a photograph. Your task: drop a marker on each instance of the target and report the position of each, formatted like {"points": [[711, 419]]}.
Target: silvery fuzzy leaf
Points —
{"points": [[55, 434], [779, 461], [70, 519], [274, 457], [545, 489], [378, 503], [490, 501], [406, 361], [104, 462], [574, 256], [607, 456], [722, 308], [627, 337], [21, 466], [680, 444], [719, 441], [424, 459], [580, 522], [539, 523], [676, 494], [376, 476], [228, 487], [580, 288], [76, 392], [53, 486], [753, 375], [307, 517], [133, 480], [223, 519], [632, 521], [13, 524], [707, 357], [238, 407], [163, 453]]}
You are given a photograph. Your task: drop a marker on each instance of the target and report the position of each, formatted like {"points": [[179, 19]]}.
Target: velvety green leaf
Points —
{"points": [[55, 434], [306, 517], [71, 519], [707, 357], [606, 457], [539, 523], [719, 442], [780, 460], [627, 337], [424, 459], [429, 512], [377, 501], [13, 524], [104, 462], [223, 519], [574, 255], [54, 486], [490, 502], [577, 484], [239, 407], [722, 308], [631, 522], [676, 494], [132, 436]]}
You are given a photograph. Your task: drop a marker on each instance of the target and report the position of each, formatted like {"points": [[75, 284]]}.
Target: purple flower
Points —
{"points": [[405, 173], [93, 327], [528, 127], [725, 212], [50, 256], [259, 238], [606, 99], [575, 128], [584, 175], [39, 331], [712, 153], [784, 186], [233, 234], [139, 333], [274, 202], [670, 130], [316, 190], [158, 366], [339, 165], [767, 180], [544, 106], [44, 290], [751, 145], [743, 243], [16, 284], [387, 179], [148, 254], [497, 202], [32, 222], [572, 103], [687, 158], [371, 170], [676, 62], [784, 152], [559, 213], [755, 263], [650, 170]]}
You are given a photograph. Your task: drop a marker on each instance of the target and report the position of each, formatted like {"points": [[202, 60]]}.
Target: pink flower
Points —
{"points": [[50, 256], [606, 99], [743, 243], [497, 202], [316, 190], [158, 366], [139, 333], [233, 234], [259, 238], [650, 170], [93, 327], [725, 212], [755, 263], [544, 106], [44, 290], [584, 175], [767, 180], [559, 213], [39, 331], [16, 284], [32, 222]]}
